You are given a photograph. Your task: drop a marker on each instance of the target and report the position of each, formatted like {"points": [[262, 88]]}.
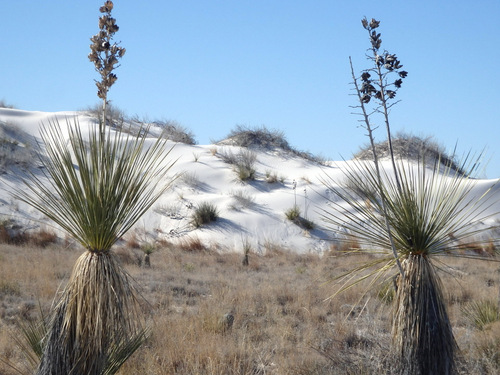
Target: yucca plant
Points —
{"points": [[95, 185], [431, 214], [408, 214]]}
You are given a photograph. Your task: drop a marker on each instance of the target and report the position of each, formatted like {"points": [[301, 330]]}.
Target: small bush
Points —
{"points": [[175, 132], [481, 313], [271, 176], [115, 117], [205, 213], [293, 213], [244, 163], [412, 147], [4, 104], [263, 137]]}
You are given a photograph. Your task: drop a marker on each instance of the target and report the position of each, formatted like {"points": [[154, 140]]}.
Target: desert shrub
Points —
{"points": [[407, 223], [412, 147], [293, 213], [263, 137], [245, 167], [175, 132], [100, 186], [115, 116], [271, 176], [205, 213], [5, 104], [256, 137], [243, 162], [482, 313]]}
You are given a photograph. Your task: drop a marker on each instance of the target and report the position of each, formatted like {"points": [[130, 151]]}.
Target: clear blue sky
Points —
{"points": [[211, 65]]}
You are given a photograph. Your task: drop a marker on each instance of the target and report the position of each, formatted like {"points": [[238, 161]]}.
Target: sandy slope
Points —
{"points": [[210, 179]]}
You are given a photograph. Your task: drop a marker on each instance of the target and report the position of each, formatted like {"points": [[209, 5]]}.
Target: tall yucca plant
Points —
{"points": [[408, 213], [432, 213], [96, 185], [96, 190]]}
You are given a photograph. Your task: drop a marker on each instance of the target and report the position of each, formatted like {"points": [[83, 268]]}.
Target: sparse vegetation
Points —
{"points": [[204, 213], [5, 104], [244, 163], [293, 214], [263, 137], [175, 132], [282, 323], [115, 116], [271, 176], [412, 147], [482, 313]]}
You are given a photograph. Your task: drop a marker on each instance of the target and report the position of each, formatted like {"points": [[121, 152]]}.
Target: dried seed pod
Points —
{"points": [[102, 21], [109, 4], [374, 23], [365, 76], [391, 94]]}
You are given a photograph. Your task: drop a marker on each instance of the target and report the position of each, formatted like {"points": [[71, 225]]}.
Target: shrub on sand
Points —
{"points": [[205, 213]]}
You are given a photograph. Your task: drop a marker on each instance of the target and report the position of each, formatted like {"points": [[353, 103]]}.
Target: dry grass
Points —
{"points": [[283, 321]]}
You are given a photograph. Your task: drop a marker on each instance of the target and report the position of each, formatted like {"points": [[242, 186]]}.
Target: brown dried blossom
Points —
{"points": [[104, 53], [385, 64]]}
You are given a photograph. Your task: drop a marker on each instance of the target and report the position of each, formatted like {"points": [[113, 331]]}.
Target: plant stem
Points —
{"points": [[368, 127]]}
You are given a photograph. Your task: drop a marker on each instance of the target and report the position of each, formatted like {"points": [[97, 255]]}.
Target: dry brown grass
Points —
{"points": [[283, 323]]}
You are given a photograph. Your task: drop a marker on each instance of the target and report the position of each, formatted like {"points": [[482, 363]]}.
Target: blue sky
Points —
{"points": [[212, 65]]}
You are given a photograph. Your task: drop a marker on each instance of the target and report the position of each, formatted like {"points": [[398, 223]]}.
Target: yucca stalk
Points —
{"points": [[431, 213], [105, 54], [95, 189]]}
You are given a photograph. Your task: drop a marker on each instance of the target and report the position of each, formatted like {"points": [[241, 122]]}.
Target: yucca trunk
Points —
{"points": [[422, 335], [95, 315]]}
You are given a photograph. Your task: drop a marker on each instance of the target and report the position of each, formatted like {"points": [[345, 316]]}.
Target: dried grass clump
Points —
{"points": [[175, 132], [412, 147], [265, 138], [204, 213]]}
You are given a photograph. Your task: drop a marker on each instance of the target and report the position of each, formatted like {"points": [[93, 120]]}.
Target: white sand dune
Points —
{"points": [[252, 212]]}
